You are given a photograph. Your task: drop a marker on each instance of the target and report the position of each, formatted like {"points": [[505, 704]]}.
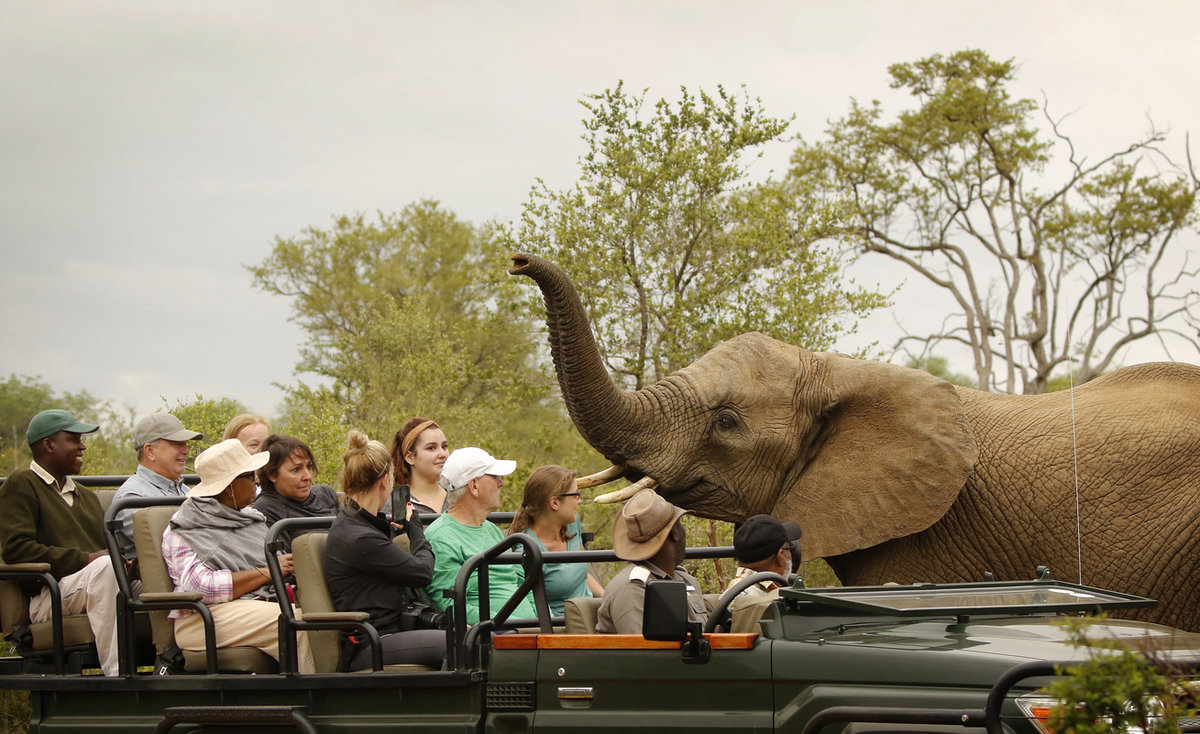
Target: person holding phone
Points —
{"points": [[419, 451], [367, 572]]}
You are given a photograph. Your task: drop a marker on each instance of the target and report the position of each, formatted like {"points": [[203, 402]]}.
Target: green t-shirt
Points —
{"points": [[453, 543]]}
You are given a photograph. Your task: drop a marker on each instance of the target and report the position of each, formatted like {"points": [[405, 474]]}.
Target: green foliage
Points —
{"points": [[205, 415], [412, 314], [940, 367], [670, 246], [1048, 257], [1116, 689], [22, 397]]}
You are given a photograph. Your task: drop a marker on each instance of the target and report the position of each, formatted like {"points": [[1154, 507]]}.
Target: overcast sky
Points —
{"points": [[149, 150]]}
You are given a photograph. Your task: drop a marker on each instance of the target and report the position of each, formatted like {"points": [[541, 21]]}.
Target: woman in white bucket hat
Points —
{"points": [[214, 546]]}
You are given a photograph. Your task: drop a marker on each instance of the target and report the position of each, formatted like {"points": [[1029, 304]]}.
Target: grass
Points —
{"points": [[14, 705]]}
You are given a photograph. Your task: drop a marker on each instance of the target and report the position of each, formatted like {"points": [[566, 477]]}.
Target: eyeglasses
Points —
{"points": [[248, 475], [569, 494]]}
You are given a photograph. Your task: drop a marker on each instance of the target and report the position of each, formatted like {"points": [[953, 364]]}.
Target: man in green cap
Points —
{"points": [[49, 519]]}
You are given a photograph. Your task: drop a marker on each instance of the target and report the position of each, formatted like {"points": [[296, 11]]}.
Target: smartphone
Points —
{"points": [[398, 508]]}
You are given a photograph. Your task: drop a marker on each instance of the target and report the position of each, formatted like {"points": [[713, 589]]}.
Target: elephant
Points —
{"points": [[895, 475]]}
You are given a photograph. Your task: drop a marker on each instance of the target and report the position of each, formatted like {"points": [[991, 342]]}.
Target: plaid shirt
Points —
{"points": [[189, 573]]}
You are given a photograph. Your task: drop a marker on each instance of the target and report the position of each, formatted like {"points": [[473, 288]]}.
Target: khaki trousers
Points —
{"points": [[91, 590], [243, 623]]}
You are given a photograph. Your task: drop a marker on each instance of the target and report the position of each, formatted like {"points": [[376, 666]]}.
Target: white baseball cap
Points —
{"points": [[463, 465]]}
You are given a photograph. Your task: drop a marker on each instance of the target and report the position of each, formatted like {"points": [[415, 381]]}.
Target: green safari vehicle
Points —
{"points": [[930, 658]]}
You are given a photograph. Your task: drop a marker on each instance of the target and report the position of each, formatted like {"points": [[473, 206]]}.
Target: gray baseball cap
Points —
{"points": [[161, 425]]}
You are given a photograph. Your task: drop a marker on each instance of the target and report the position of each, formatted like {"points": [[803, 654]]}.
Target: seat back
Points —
{"points": [[14, 605], [148, 526], [580, 614], [312, 595], [106, 497]]}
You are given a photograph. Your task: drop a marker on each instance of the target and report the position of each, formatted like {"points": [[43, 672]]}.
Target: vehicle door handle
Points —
{"points": [[575, 697]]}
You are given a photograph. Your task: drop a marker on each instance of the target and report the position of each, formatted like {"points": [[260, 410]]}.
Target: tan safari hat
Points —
{"points": [[220, 464], [643, 525]]}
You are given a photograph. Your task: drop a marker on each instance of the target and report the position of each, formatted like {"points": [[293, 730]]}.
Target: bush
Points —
{"points": [[1117, 689]]}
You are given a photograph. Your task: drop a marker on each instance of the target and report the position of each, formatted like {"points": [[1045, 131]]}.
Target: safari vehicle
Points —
{"points": [[930, 658]]}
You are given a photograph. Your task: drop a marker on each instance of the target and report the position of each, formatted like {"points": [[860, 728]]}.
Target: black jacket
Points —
{"points": [[367, 572]]}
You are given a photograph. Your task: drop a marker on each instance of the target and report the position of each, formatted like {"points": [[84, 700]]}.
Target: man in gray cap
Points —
{"points": [[48, 519], [162, 451]]}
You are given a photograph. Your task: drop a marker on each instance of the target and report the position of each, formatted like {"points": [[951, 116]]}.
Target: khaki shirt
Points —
{"points": [[625, 598]]}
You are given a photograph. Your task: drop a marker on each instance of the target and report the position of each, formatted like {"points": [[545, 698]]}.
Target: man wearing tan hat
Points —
{"points": [[649, 535], [162, 450]]}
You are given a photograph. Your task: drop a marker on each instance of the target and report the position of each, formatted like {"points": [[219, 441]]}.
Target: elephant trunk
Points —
{"points": [[610, 419]]}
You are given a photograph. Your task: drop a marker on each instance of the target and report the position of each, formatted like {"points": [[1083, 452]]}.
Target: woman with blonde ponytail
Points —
{"points": [[549, 512], [367, 572]]}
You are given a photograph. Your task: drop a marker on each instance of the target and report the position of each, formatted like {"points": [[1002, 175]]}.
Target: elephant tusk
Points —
{"points": [[623, 494], [604, 477]]}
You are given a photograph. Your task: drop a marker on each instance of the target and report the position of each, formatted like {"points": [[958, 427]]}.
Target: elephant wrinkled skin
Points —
{"points": [[896, 475]]}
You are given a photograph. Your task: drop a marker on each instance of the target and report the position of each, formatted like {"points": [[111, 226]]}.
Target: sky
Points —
{"points": [[150, 150]]}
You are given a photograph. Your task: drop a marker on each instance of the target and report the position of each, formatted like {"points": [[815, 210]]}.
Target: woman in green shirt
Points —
{"points": [[549, 512]]}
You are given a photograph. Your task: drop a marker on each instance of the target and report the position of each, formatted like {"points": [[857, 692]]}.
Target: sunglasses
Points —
{"points": [[569, 494]]}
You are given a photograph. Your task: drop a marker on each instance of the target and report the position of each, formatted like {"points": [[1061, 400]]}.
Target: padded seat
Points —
{"points": [[580, 614], [148, 526], [312, 595]]}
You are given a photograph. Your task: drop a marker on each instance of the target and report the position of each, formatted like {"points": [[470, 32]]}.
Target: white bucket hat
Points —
{"points": [[220, 464], [463, 465]]}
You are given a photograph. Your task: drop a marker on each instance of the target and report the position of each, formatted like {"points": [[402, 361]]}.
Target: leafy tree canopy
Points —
{"points": [[670, 245], [1050, 257]]}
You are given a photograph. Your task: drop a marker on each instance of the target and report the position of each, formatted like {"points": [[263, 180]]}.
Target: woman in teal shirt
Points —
{"points": [[549, 512]]}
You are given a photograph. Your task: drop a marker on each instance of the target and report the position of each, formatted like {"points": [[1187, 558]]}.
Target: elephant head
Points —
{"points": [[857, 452]]}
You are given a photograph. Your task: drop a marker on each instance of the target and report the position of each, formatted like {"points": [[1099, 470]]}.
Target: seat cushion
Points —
{"points": [[580, 613]]}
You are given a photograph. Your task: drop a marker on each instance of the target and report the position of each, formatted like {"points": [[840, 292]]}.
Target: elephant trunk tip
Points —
{"points": [[520, 260]]}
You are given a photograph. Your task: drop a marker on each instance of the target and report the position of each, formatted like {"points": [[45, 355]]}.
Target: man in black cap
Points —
{"points": [[48, 519], [761, 543]]}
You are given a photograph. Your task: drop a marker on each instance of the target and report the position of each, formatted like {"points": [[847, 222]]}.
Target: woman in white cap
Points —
{"points": [[367, 572], [214, 546]]}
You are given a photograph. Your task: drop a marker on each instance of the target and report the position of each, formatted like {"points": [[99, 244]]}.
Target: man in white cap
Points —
{"points": [[649, 535], [162, 451], [48, 519], [472, 479]]}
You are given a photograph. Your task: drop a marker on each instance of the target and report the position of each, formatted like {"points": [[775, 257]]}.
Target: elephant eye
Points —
{"points": [[725, 421]]}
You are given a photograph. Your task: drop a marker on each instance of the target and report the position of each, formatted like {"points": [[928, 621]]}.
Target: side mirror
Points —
{"points": [[665, 612], [665, 617]]}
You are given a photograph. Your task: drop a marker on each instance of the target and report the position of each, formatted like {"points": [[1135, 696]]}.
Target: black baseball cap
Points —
{"points": [[761, 536]]}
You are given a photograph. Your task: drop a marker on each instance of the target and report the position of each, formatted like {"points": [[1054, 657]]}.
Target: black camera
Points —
{"points": [[422, 616]]}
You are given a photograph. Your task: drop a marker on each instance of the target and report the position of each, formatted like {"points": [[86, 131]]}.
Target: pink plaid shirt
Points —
{"points": [[189, 573]]}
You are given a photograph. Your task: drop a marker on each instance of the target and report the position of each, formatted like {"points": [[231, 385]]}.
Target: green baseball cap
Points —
{"points": [[49, 422]]}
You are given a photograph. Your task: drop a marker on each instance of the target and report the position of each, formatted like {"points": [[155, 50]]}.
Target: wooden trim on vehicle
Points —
{"points": [[720, 641]]}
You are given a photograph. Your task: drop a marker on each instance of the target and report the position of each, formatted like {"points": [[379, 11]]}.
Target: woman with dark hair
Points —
{"points": [[549, 512], [214, 546], [367, 572], [287, 484], [419, 450]]}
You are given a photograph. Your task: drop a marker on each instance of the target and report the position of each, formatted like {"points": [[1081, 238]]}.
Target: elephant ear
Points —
{"points": [[892, 450]]}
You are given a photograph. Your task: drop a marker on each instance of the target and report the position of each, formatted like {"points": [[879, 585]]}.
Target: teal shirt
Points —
{"points": [[453, 543], [565, 580]]}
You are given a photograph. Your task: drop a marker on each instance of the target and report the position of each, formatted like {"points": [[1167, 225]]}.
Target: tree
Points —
{"points": [[1044, 270], [673, 249], [22, 397], [412, 314]]}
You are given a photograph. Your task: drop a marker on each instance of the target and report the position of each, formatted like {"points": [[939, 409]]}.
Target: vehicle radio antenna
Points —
{"points": [[1075, 460]]}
